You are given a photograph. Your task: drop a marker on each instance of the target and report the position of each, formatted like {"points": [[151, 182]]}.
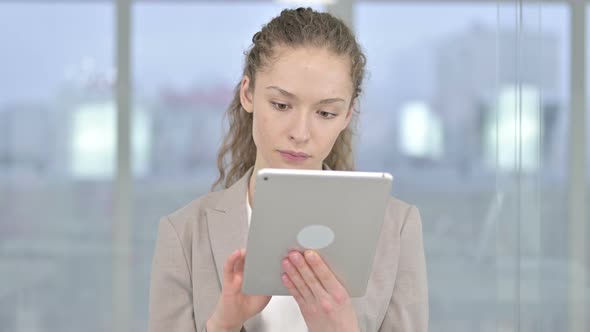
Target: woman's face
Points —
{"points": [[300, 104]]}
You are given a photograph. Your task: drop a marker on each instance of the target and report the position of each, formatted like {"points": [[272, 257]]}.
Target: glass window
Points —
{"points": [[466, 104], [56, 166], [466, 110]]}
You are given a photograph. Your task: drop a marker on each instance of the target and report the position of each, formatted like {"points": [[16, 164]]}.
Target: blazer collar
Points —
{"points": [[228, 224]]}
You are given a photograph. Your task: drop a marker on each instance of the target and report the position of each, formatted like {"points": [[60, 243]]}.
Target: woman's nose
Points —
{"points": [[300, 131]]}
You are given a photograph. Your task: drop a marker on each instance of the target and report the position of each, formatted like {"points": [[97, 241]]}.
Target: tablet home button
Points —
{"points": [[315, 237]]}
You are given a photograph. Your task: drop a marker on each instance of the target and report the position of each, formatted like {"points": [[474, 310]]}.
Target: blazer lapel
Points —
{"points": [[228, 223], [228, 231]]}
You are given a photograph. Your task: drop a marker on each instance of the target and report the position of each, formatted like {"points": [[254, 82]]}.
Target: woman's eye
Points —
{"points": [[281, 107], [326, 115]]}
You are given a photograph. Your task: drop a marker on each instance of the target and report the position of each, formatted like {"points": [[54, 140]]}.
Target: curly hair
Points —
{"points": [[301, 27]]}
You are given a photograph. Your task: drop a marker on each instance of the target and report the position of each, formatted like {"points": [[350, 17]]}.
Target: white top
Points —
{"points": [[282, 312]]}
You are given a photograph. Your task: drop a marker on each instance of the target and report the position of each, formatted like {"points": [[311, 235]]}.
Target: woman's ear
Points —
{"points": [[246, 95]]}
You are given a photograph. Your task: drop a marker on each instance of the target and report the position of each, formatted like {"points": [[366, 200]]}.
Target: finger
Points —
{"points": [[292, 289], [228, 267], [308, 275], [298, 281], [240, 262], [325, 276]]}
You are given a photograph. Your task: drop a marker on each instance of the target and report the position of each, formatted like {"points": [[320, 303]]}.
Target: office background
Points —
{"points": [[111, 113]]}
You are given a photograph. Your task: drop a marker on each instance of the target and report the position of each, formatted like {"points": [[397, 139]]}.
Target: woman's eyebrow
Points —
{"points": [[292, 96], [282, 91], [331, 100]]}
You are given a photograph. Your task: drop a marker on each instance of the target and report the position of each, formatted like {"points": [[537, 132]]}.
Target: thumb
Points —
{"points": [[239, 267], [228, 267], [238, 272]]}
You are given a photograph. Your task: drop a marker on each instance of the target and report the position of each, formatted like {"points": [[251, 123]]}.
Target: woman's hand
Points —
{"points": [[323, 301], [234, 307]]}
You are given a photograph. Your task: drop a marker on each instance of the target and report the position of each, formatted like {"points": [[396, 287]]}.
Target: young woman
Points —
{"points": [[294, 108]]}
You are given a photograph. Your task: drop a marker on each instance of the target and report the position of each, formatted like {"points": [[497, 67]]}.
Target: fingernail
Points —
{"points": [[285, 280], [285, 263], [311, 255], [294, 256]]}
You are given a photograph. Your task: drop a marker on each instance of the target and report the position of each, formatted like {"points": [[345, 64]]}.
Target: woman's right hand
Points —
{"points": [[235, 307]]}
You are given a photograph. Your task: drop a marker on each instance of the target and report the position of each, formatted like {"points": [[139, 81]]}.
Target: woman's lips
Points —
{"points": [[294, 156]]}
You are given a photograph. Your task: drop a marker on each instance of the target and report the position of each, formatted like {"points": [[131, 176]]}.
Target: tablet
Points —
{"points": [[337, 213]]}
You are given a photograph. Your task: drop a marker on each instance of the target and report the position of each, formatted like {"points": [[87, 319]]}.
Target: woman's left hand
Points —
{"points": [[323, 301]]}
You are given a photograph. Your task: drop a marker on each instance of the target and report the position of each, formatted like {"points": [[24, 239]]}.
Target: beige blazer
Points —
{"points": [[194, 242]]}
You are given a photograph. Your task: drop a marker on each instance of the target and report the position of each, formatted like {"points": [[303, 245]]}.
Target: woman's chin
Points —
{"points": [[302, 166]]}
